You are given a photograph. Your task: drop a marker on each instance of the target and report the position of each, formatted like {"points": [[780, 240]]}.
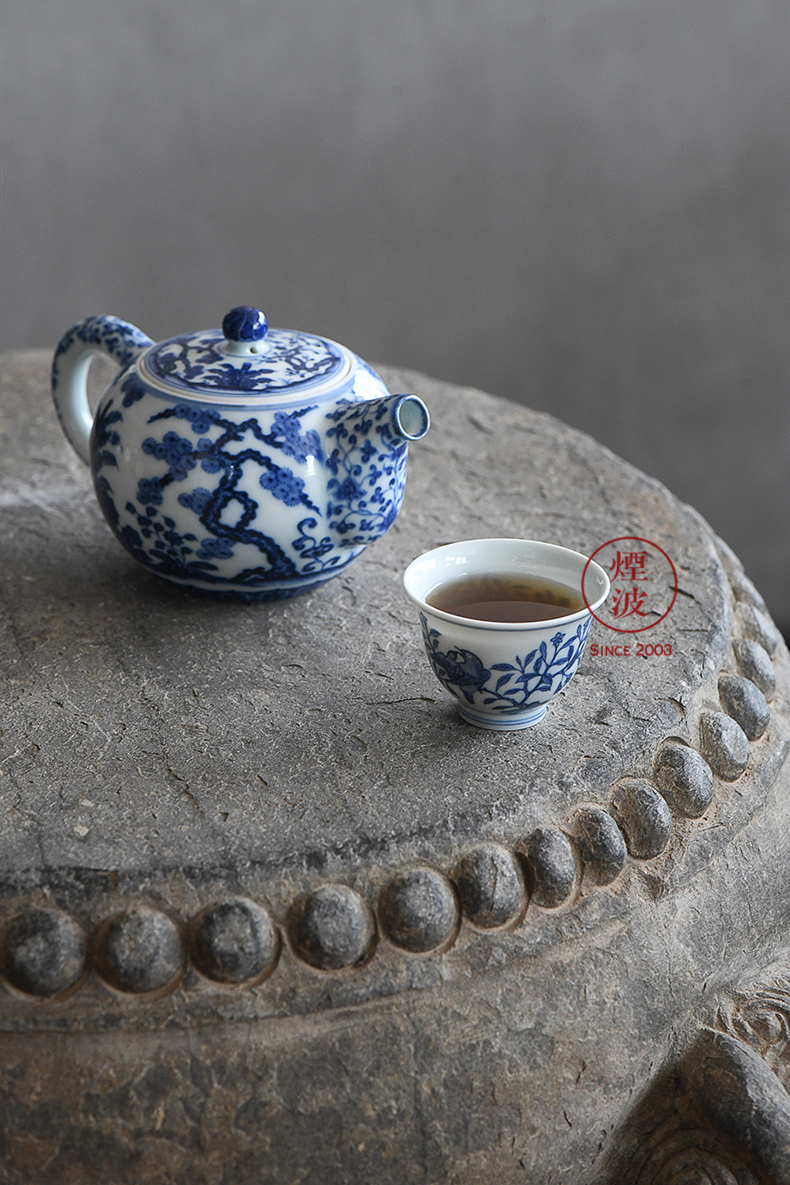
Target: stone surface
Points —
{"points": [[743, 1099], [490, 886], [162, 757], [723, 1114], [685, 778], [601, 843], [235, 941], [743, 589], [744, 701], [643, 817], [755, 663], [331, 928], [43, 952], [552, 866], [418, 910], [140, 951], [724, 745], [209, 734], [757, 626]]}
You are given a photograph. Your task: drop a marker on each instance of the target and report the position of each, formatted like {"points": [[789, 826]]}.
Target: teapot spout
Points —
{"points": [[368, 465], [410, 417]]}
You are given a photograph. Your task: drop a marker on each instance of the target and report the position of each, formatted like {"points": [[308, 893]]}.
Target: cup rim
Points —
{"points": [[586, 564]]}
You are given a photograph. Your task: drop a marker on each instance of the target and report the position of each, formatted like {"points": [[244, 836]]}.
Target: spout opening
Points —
{"points": [[411, 417]]}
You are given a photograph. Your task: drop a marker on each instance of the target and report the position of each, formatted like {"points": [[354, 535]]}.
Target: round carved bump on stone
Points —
{"points": [[724, 745], [601, 843], [43, 952], [140, 951], [685, 778], [744, 701], [552, 866], [755, 663], [331, 928], [744, 590], [490, 886], [756, 626], [643, 817], [679, 1152], [235, 941], [418, 911]]}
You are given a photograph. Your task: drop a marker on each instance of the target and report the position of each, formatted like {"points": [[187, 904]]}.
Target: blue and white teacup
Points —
{"points": [[503, 674]]}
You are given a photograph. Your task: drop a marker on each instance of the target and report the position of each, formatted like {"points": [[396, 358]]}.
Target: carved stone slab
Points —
{"points": [[268, 901]]}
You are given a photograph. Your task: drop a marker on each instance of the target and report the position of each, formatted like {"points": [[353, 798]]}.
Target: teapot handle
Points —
{"points": [[95, 335]]}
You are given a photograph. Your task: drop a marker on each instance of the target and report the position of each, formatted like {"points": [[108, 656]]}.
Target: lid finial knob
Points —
{"points": [[244, 324]]}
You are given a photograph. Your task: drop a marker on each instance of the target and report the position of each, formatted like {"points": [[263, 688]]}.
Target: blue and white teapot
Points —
{"points": [[245, 462]]}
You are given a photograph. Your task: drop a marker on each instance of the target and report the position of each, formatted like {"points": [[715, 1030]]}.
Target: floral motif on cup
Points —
{"points": [[508, 686]]}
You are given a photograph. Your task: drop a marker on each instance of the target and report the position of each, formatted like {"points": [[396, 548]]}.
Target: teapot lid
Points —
{"points": [[246, 357]]}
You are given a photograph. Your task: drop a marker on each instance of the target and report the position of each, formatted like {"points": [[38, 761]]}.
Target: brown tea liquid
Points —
{"points": [[506, 598]]}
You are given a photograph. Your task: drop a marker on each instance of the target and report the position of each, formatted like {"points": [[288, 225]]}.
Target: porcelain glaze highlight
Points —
{"points": [[246, 462]]}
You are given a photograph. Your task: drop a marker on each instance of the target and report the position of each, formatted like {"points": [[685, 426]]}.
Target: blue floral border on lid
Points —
{"points": [[285, 359]]}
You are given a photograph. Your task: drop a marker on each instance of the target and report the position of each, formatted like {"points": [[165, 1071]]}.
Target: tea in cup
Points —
{"points": [[505, 623]]}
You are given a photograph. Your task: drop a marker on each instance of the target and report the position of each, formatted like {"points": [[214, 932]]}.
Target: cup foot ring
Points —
{"points": [[502, 723]]}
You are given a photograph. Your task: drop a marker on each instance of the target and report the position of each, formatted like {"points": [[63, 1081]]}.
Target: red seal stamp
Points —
{"points": [[644, 584]]}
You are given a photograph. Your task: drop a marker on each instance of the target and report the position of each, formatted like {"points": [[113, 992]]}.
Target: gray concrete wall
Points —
{"points": [[582, 205]]}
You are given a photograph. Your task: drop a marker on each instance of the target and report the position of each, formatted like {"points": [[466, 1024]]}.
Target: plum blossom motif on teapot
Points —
{"points": [[366, 478]]}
